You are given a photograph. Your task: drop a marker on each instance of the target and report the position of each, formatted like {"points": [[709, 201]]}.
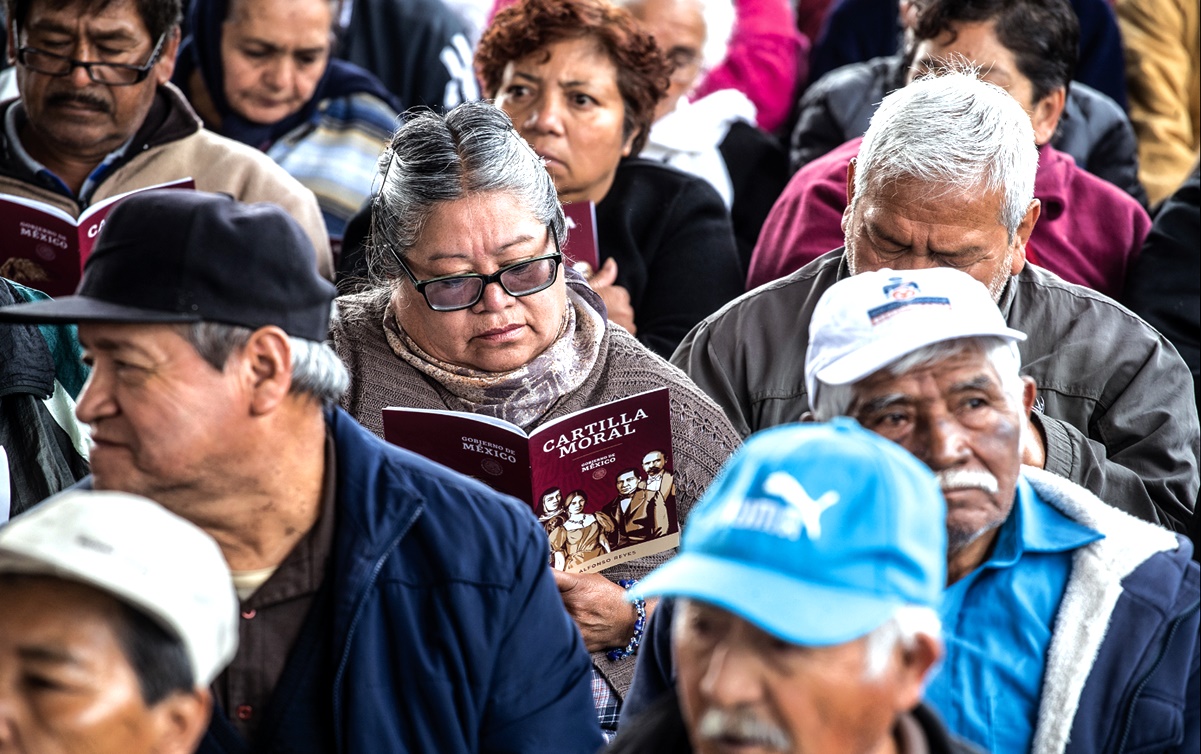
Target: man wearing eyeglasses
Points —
{"points": [[97, 117]]}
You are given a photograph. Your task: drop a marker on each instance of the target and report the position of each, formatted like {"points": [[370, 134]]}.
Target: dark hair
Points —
{"points": [[530, 26], [160, 16], [1043, 35], [158, 659]]}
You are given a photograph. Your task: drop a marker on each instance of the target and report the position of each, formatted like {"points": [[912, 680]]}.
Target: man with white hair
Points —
{"points": [[1070, 626], [117, 616], [807, 583], [945, 178]]}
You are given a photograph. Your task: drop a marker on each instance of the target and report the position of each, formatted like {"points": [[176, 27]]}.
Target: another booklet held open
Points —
{"points": [[601, 481], [43, 247]]}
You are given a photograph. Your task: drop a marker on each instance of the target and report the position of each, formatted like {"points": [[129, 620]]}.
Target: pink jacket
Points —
{"points": [[1089, 231]]}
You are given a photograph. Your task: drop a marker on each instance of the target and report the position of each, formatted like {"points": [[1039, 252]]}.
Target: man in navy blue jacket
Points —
{"points": [[387, 604]]}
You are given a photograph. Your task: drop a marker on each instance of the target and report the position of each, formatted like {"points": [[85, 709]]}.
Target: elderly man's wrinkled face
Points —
{"points": [[480, 234], [72, 115], [910, 225], [744, 690], [66, 684], [956, 417], [163, 419]]}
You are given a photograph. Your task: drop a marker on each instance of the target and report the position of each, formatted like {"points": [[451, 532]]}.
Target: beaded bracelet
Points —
{"points": [[639, 626]]}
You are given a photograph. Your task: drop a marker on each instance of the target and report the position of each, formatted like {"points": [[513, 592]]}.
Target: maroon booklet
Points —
{"points": [[582, 246], [601, 480], [45, 248]]}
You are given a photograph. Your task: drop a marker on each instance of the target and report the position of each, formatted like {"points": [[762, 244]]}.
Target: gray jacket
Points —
{"points": [[1116, 399]]}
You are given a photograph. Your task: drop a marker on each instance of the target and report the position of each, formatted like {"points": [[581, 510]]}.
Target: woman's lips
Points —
{"points": [[501, 334]]}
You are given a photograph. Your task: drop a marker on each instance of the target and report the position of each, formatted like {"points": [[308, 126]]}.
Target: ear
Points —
{"points": [[628, 146], [807, 417], [268, 368], [1029, 394], [165, 66], [1045, 116], [915, 664], [1022, 237], [846, 213], [180, 721]]}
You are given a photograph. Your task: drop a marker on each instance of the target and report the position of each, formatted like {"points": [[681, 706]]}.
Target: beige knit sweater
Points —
{"points": [[702, 437]]}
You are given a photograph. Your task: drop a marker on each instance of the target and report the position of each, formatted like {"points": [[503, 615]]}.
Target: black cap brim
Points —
{"points": [[74, 309]]}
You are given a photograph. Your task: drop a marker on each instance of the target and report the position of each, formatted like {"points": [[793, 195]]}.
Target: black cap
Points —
{"points": [[170, 255]]}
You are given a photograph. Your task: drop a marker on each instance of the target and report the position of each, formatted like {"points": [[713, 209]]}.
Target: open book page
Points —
{"points": [[43, 247], [600, 480]]}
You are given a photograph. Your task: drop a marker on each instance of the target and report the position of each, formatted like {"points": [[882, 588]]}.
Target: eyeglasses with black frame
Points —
{"points": [[112, 74], [451, 293]]}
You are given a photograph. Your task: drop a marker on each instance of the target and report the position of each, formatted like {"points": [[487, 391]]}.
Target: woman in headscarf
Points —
{"points": [[260, 72]]}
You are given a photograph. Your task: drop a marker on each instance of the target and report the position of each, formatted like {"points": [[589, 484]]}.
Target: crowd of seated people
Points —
{"points": [[921, 298]]}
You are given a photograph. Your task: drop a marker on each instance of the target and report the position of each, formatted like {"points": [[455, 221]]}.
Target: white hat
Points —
{"points": [[141, 554], [867, 321]]}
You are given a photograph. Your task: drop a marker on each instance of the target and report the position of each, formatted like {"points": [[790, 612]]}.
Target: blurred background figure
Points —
{"points": [[581, 82], [419, 49], [859, 30], [1163, 78], [1164, 286], [1088, 231], [117, 617], [41, 374], [767, 58], [713, 137], [1093, 129], [261, 72]]}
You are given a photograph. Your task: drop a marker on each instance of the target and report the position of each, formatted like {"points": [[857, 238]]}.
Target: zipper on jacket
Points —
{"points": [[358, 613]]}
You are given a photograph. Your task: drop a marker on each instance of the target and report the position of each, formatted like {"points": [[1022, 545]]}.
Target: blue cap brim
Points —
{"points": [[796, 611]]}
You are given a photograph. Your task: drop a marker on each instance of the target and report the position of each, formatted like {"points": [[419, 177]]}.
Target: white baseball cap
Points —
{"points": [[141, 554], [867, 321]]}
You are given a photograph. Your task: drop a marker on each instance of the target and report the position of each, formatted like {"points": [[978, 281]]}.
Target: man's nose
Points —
{"points": [[731, 677], [946, 443], [95, 400]]}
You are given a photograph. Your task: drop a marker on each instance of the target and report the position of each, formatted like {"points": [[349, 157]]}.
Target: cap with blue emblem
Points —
{"points": [[815, 533], [865, 322]]}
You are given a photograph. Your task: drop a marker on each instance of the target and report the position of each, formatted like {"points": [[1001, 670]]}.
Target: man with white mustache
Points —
{"points": [[808, 582], [1050, 590], [1070, 626]]}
